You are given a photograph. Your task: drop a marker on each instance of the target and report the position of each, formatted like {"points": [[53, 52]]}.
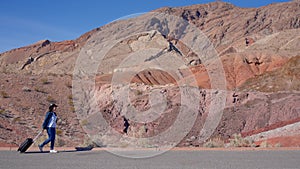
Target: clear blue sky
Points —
{"points": [[23, 22]]}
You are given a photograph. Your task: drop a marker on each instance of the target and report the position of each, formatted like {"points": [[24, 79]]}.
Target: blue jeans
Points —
{"points": [[51, 137]]}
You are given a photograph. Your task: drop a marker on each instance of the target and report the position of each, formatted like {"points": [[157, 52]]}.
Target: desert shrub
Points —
{"points": [[69, 85], [26, 89], [71, 103], [214, 143], [5, 70], [4, 94], [139, 92], [239, 141], [84, 122], [73, 109], [277, 145], [45, 81], [60, 142], [16, 120], [142, 130], [264, 144], [59, 132], [70, 97], [50, 99], [40, 90], [53, 74]]}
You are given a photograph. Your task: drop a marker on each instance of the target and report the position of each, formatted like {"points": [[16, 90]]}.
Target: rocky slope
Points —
{"points": [[258, 49]]}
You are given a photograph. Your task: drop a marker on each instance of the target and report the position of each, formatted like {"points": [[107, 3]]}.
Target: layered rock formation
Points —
{"points": [[258, 49]]}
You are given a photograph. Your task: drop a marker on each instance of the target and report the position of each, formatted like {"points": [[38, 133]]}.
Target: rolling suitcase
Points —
{"points": [[27, 143]]}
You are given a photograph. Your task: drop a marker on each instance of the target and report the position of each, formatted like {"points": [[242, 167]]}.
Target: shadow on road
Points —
{"points": [[47, 152], [77, 149]]}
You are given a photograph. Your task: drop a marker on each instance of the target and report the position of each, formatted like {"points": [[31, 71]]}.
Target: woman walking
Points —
{"points": [[49, 124]]}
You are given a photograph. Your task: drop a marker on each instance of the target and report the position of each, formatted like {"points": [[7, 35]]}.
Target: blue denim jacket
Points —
{"points": [[47, 119]]}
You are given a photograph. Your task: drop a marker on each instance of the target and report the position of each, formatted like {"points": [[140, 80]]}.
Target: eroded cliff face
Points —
{"points": [[258, 49]]}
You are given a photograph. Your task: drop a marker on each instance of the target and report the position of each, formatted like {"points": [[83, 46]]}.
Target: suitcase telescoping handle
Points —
{"points": [[36, 137]]}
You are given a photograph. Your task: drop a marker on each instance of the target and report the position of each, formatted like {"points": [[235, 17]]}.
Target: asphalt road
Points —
{"points": [[273, 159]]}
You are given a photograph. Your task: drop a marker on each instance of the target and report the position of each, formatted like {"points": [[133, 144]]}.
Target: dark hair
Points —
{"points": [[52, 106]]}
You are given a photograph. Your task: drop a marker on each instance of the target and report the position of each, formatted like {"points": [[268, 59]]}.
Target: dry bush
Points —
{"points": [[45, 81], [214, 143], [71, 103], [265, 144], [37, 89], [59, 132], [50, 99], [278, 145], [4, 94], [139, 92], [84, 122], [59, 142], [239, 141], [68, 85]]}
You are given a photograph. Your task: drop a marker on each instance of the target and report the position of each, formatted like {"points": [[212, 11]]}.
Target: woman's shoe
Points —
{"points": [[41, 148], [53, 151]]}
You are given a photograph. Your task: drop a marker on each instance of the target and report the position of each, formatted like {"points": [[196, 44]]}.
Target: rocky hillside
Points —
{"points": [[258, 49]]}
